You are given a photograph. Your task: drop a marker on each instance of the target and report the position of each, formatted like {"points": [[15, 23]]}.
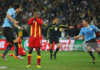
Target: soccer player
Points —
{"points": [[8, 31], [52, 31], [88, 31], [35, 39], [21, 51]]}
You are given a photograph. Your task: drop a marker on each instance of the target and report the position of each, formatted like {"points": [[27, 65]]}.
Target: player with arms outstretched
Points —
{"points": [[52, 32], [88, 31], [35, 40]]}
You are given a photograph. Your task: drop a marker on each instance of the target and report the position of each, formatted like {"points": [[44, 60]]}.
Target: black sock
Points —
{"points": [[56, 51], [91, 53], [51, 53], [99, 54], [7, 49], [16, 49]]}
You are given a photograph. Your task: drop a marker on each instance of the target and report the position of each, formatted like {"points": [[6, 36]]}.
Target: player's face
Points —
{"points": [[85, 23], [56, 20], [18, 10]]}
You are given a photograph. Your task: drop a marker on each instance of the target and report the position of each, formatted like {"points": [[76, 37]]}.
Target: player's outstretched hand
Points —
{"points": [[75, 37], [71, 27], [16, 22], [21, 28]]}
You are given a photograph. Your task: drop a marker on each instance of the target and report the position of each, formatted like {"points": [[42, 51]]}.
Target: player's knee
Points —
{"points": [[97, 49], [38, 53], [58, 45], [51, 46]]}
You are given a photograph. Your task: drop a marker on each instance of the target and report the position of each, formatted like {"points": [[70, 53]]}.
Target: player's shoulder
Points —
{"points": [[11, 10], [92, 26]]}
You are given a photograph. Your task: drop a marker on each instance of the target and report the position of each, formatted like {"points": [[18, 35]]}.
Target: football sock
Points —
{"points": [[51, 53], [16, 49], [56, 51], [7, 49], [91, 53], [29, 58], [38, 59]]}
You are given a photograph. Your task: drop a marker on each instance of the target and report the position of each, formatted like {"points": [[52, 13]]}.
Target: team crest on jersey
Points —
{"points": [[90, 28]]}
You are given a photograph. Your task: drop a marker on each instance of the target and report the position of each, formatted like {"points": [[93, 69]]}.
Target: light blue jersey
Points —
{"points": [[89, 33], [7, 22]]}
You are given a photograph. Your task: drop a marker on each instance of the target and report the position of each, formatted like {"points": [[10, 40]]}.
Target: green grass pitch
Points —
{"points": [[65, 61]]}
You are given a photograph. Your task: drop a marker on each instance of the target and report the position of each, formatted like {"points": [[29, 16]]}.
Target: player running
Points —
{"points": [[53, 30], [35, 39], [88, 31], [8, 31]]}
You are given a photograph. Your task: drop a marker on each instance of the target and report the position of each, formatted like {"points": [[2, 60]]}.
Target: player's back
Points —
{"points": [[7, 22]]}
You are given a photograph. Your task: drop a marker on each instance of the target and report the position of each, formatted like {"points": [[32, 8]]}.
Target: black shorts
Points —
{"points": [[92, 43], [51, 40], [9, 34]]}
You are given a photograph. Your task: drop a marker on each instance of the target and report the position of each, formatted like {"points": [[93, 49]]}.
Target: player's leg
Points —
{"points": [[51, 45], [7, 33], [38, 44], [58, 47], [16, 49], [98, 50], [38, 57], [31, 45], [6, 51], [91, 53], [29, 56], [96, 47]]}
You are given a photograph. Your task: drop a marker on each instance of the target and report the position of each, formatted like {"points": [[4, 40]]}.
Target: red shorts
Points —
{"points": [[35, 42]]}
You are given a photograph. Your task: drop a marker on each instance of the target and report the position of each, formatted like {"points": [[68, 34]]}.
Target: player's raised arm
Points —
{"points": [[30, 21], [64, 26], [39, 21], [96, 29]]}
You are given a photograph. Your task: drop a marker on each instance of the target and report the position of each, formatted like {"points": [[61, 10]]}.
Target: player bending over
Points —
{"points": [[21, 51], [88, 31], [35, 39], [8, 31], [53, 30]]}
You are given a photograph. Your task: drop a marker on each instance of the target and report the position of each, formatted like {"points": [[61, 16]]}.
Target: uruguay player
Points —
{"points": [[8, 31], [89, 34]]}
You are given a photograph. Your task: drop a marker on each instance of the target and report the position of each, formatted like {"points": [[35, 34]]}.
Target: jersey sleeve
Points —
{"points": [[10, 12], [30, 21], [81, 32], [63, 26], [96, 29], [40, 21]]}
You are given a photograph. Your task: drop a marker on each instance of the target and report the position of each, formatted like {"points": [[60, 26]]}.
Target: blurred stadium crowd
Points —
{"points": [[69, 12]]}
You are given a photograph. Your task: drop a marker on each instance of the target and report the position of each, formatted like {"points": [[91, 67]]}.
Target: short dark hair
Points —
{"points": [[86, 19], [54, 17], [16, 5]]}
